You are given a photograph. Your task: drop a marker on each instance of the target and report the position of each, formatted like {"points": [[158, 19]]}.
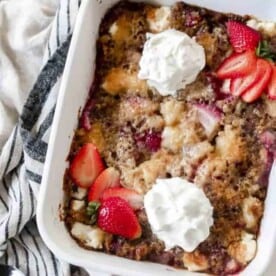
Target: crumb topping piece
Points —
{"points": [[91, 236]]}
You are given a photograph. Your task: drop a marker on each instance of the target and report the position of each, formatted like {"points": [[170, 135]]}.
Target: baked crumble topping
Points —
{"points": [[146, 136]]}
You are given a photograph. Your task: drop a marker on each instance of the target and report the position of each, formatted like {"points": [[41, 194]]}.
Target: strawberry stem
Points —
{"points": [[92, 211], [265, 52]]}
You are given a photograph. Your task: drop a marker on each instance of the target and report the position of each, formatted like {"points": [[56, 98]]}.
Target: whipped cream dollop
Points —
{"points": [[179, 213], [170, 60]]}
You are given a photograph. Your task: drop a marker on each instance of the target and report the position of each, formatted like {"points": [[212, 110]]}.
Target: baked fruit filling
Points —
{"points": [[171, 158]]}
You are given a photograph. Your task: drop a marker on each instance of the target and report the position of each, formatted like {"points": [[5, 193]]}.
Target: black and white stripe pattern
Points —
{"points": [[22, 158]]}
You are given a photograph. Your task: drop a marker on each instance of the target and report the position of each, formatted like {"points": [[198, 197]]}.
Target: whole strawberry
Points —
{"points": [[241, 36], [117, 217]]}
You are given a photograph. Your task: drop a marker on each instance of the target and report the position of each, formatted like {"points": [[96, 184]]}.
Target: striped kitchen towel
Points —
{"points": [[23, 155]]}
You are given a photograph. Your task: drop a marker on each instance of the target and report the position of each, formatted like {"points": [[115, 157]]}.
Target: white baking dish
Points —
{"points": [[74, 89]]}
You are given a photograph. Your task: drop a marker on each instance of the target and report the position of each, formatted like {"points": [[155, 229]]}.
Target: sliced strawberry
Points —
{"points": [[240, 85], [237, 86], [241, 36], [86, 166], [263, 73], [237, 65], [117, 217], [110, 177], [271, 89], [209, 116], [134, 199]]}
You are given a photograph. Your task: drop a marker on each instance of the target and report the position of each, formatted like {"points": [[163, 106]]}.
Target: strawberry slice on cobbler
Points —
{"points": [[110, 177], [239, 86], [263, 73], [134, 199], [209, 117], [86, 166], [237, 65], [271, 89]]}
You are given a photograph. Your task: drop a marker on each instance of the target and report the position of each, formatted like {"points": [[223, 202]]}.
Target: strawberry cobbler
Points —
{"points": [[172, 154]]}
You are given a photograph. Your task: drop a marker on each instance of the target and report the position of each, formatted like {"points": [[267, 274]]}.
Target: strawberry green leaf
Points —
{"points": [[92, 211], [263, 50]]}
